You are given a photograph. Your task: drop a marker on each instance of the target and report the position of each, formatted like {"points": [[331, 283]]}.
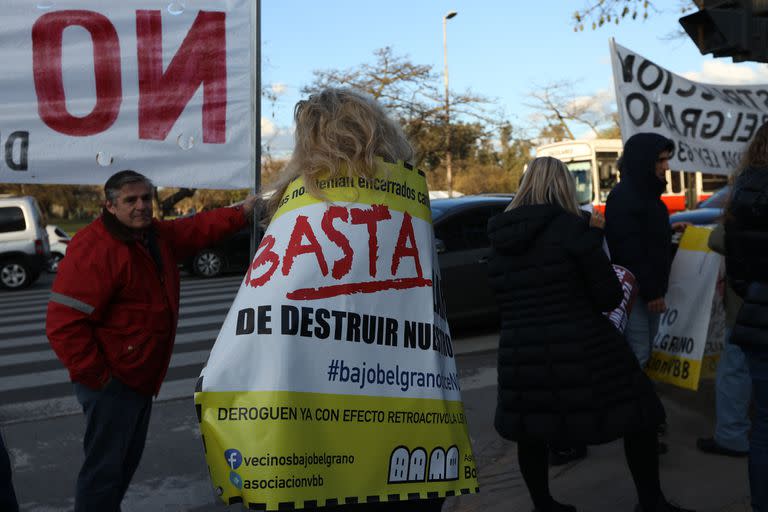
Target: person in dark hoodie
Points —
{"points": [[565, 375], [639, 235]]}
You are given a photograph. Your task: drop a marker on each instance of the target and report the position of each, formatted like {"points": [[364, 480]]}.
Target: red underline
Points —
{"points": [[335, 290]]}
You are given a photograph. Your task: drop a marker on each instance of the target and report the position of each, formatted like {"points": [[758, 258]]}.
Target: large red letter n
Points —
{"points": [[201, 59]]}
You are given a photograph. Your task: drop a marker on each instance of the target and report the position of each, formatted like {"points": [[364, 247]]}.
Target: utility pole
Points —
{"points": [[448, 155]]}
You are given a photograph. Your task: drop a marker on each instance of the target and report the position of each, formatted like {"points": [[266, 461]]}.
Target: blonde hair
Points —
{"points": [[754, 157], [547, 181], [756, 154], [339, 132]]}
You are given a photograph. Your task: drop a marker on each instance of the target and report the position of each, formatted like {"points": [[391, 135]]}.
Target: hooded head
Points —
{"points": [[644, 161]]}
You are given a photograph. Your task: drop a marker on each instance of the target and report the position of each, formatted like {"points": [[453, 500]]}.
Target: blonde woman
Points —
{"points": [[339, 135], [565, 374]]}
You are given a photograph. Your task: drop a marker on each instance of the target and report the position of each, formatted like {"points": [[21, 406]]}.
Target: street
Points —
{"points": [[43, 426]]}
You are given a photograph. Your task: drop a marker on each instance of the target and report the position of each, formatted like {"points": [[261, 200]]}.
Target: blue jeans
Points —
{"points": [[641, 329], [733, 392], [117, 419], [7, 495], [757, 358]]}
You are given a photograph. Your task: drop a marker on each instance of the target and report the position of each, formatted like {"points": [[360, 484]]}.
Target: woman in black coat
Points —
{"points": [[746, 260], [565, 374]]}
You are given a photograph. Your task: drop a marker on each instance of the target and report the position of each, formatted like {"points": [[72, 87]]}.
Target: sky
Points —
{"points": [[501, 49]]}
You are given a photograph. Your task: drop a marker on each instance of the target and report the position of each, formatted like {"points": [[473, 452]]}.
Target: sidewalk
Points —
{"points": [[602, 481]]}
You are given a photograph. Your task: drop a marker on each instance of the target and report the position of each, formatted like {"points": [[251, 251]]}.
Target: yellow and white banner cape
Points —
{"points": [[333, 378]]}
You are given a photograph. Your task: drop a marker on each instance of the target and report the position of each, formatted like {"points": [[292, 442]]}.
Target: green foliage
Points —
{"points": [[70, 226], [68, 201], [207, 199]]}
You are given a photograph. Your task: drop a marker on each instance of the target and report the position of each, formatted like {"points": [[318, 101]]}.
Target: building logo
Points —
{"points": [[234, 458], [414, 466]]}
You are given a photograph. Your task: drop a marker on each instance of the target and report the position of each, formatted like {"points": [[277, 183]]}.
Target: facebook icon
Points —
{"points": [[233, 457]]}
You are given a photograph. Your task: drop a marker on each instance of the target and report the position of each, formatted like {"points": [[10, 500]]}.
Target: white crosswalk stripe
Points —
{"points": [[34, 384]]}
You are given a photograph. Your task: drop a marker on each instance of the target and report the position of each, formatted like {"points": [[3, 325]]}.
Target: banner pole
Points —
{"points": [[615, 74], [256, 117]]}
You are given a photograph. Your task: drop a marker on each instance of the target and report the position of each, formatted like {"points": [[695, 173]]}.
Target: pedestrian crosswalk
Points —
{"points": [[33, 382]]}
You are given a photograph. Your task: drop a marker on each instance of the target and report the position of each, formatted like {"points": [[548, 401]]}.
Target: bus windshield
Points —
{"points": [[582, 175]]}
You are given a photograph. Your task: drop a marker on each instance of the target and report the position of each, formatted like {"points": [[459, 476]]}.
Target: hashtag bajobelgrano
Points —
{"points": [[402, 378]]}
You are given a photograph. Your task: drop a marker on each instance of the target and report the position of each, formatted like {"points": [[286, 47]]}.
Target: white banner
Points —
{"points": [[333, 379], [710, 124], [687, 331], [89, 88]]}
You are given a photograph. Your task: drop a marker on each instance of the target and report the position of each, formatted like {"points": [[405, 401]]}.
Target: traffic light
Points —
{"points": [[730, 28]]}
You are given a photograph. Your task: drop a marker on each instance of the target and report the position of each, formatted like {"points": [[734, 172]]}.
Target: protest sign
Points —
{"points": [[684, 330], [619, 316], [710, 124], [717, 327], [333, 378], [89, 88]]}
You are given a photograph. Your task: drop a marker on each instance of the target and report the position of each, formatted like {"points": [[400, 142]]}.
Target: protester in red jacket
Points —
{"points": [[112, 321]]}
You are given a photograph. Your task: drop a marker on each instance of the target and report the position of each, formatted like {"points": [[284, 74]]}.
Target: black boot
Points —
{"points": [[665, 506], [559, 456], [556, 507]]}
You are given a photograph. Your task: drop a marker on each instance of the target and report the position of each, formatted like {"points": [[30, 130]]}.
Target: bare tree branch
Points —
{"points": [[556, 104], [413, 93], [600, 12]]}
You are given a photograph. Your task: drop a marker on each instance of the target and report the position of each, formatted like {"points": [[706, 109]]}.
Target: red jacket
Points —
{"points": [[113, 312]]}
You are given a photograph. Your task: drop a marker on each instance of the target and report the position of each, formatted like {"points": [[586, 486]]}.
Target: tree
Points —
{"points": [[168, 203], [412, 93], [488, 153], [61, 201], [515, 153], [557, 105], [599, 12], [613, 131]]}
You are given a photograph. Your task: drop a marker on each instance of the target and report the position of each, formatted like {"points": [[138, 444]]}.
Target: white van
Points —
{"points": [[24, 248]]}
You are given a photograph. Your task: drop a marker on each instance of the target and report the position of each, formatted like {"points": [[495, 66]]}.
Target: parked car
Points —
{"points": [[463, 247], [230, 255], [58, 240], [706, 212], [24, 248]]}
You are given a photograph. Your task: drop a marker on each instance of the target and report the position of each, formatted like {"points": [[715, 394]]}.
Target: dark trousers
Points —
{"points": [[7, 496], [640, 449], [757, 358], [117, 419]]}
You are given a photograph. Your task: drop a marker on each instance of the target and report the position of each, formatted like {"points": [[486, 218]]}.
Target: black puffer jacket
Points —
{"points": [[565, 373], [637, 221], [746, 244]]}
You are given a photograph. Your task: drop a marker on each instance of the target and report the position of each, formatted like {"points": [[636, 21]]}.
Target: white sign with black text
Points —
{"points": [[90, 87], [710, 124]]}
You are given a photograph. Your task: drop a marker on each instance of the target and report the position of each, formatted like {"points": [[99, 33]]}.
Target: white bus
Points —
{"points": [[593, 164]]}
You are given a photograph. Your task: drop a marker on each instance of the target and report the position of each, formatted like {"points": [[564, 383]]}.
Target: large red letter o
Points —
{"points": [[47, 33]]}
